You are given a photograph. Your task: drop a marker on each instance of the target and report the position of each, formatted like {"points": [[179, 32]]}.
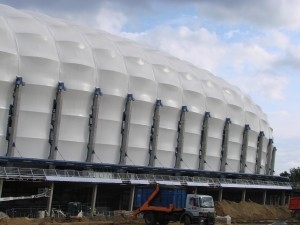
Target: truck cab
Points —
{"points": [[199, 209]]}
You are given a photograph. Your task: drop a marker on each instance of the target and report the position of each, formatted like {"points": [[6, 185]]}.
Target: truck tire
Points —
{"points": [[163, 222], [187, 220], [149, 218]]}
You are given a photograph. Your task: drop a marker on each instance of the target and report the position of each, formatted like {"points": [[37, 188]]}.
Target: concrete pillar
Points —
{"points": [[131, 198], [94, 197], [282, 199], [220, 196], [49, 201], [243, 195], [1, 187], [264, 197]]}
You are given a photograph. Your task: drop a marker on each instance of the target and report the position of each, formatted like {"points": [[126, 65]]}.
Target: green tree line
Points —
{"points": [[293, 174]]}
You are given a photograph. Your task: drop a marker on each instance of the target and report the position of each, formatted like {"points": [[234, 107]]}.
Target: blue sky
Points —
{"points": [[254, 45]]}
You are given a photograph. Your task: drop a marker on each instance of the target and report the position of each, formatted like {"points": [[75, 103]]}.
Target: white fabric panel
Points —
{"points": [[138, 67], [195, 101], [235, 106], [8, 66], [113, 83], [108, 134], [139, 134], [190, 161], [165, 75], [44, 46], [98, 41], [192, 139], [21, 24], [78, 77], [215, 103], [33, 135], [157, 57], [170, 95], [165, 158], [251, 151], [143, 89], [109, 59], [71, 151], [235, 140], [167, 138], [129, 48], [73, 134], [7, 42], [34, 121], [214, 144], [40, 71], [251, 116], [233, 165]]}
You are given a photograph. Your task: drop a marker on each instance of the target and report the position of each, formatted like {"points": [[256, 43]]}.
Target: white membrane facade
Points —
{"points": [[46, 52]]}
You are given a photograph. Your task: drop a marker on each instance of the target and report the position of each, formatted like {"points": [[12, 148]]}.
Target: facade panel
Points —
{"points": [[45, 51]]}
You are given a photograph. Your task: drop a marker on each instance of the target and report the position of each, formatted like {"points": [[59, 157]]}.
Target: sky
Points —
{"points": [[254, 45]]}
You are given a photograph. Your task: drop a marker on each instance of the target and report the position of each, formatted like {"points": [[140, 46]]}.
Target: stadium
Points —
{"points": [[85, 107]]}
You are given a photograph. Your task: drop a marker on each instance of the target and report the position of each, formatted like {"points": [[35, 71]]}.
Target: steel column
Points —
{"points": [[244, 149], [203, 144], [259, 152], [154, 133], [180, 138], [13, 118], [269, 157], [55, 120], [93, 121], [273, 161], [225, 145], [125, 129]]}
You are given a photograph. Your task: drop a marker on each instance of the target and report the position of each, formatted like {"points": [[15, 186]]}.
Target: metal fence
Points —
{"points": [[15, 173]]}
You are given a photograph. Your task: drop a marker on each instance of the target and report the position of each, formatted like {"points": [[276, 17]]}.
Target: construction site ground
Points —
{"points": [[239, 213]]}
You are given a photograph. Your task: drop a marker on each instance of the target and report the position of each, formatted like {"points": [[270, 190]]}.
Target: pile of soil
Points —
{"points": [[239, 213], [251, 211]]}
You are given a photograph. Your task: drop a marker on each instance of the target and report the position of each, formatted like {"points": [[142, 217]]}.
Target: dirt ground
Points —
{"points": [[239, 212]]}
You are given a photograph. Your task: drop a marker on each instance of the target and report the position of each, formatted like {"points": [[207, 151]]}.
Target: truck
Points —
{"points": [[169, 204], [294, 206]]}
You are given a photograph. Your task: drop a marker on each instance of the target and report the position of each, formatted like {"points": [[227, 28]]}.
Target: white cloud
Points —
{"points": [[110, 20], [269, 86], [267, 13]]}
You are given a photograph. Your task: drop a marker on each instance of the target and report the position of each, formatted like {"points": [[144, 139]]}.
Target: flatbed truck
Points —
{"points": [[294, 206], [168, 204]]}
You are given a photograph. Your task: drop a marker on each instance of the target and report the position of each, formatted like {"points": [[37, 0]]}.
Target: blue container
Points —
{"points": [[165, 197]]}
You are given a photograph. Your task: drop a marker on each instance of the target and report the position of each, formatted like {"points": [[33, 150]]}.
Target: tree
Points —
{"points": [[293, 175]]}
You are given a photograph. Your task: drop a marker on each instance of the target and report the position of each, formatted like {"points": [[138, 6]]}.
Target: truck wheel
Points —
{"points": [[297, 214], [149, 218], [187, 220], [163, 222]]}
